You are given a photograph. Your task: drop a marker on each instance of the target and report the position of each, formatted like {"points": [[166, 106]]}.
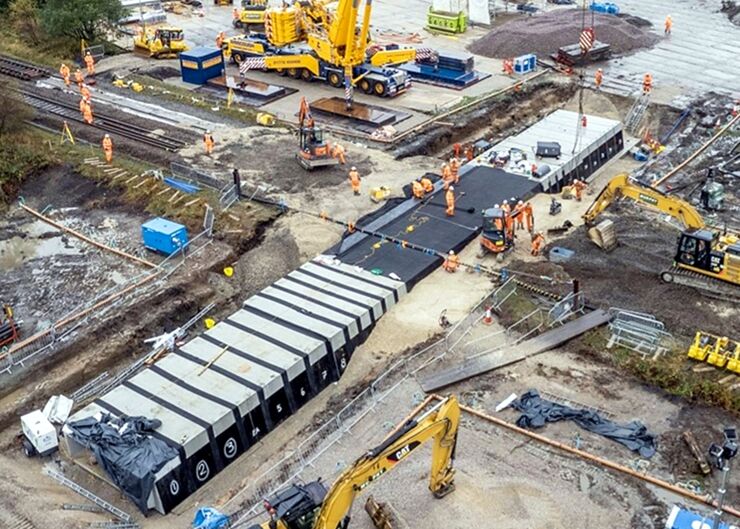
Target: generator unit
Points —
{"points": [[164, 236], [39, 435]]}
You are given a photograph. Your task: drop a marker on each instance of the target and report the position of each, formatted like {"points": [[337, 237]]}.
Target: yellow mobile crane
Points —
{"points": [[312, 506], [706, 258], [308, 41]]}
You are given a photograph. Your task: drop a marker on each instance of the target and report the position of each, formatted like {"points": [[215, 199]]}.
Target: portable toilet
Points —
{"points": [[525, 63], [199, 65], [164, 236]]}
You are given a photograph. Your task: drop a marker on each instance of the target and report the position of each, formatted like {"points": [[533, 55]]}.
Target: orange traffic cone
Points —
{"points": [[488, 318]]}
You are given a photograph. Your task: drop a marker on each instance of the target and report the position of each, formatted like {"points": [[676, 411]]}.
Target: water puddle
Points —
{"points": [[41, 241]]}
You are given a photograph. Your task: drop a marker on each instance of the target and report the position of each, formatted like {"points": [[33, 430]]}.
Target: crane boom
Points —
{"points": [[620, 186]]}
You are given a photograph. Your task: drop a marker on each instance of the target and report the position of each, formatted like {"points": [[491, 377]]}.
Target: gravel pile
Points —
{"points": [[544, 33]]}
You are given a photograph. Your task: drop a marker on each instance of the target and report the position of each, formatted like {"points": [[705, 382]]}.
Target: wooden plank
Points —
{"points": [[539, 344]]}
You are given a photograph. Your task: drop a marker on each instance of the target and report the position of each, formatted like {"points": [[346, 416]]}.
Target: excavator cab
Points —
{"points": [[161, 43], [494, 238], [696, 250], [314, 151], [294, 507]]}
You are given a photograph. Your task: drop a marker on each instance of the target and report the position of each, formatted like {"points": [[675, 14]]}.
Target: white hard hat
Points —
{"points": [[521, 202], [506, 201], [496, 206], [575, 180], [452, 160], [354, 168], [208, 132], [452, 252], [107, 136], [452, 188]]}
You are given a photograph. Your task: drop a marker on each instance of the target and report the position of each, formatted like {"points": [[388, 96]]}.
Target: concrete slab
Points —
{"points": [[700, 55]]}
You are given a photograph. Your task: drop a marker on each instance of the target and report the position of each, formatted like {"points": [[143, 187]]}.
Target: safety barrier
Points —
{"points": [[637, 331], [186, 171]]}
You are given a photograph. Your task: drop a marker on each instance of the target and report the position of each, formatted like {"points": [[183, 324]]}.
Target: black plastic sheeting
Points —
{"points": [[536, 412], [479, 188], [126, 452]]}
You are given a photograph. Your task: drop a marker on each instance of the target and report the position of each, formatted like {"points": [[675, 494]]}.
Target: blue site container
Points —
{"points": [[199, 65], [608, 8], [525, 63], [164, 236]]}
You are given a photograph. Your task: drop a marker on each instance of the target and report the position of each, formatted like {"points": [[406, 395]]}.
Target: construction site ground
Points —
{"points": [[503, 479]]}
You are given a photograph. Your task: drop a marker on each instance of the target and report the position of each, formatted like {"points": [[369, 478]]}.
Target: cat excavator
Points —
{"points": [[707, 259], [165, 42], [313, 506]]}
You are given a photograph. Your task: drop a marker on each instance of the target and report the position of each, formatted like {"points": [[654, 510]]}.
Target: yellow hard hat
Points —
{"points": [[228, 271], [209, 323]]}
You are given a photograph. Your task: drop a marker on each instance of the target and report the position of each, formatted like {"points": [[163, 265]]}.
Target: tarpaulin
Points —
{"points": [[536, 412], [209, 518], [125, 451]]}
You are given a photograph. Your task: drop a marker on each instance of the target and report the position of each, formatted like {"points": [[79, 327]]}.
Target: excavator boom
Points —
{"points": [[439, 424], [620, 186], [311, 506]]}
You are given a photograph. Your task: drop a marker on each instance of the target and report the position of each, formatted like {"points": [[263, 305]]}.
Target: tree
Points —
{"points": [[81, 19], [24, 15]]}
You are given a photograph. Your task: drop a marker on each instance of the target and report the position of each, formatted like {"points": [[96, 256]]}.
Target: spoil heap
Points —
{"points": [[544, 33]]}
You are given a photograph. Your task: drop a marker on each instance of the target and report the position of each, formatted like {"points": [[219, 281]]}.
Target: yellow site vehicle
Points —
{"points": [[252, 14], [160, 43], [706, 258], [313, 506], [719, 351], [308, 41]]}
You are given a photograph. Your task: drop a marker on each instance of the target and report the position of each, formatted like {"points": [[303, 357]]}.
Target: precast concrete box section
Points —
{"points": [[222, 391], [586, 143]]}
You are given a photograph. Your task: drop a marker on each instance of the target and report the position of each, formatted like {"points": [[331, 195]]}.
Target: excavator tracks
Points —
{"points": [[707, 286]]}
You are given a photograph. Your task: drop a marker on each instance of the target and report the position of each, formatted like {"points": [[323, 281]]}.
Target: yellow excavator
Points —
{"points": [[312, 506], [160, 43], [706, 258], [251, 15]]}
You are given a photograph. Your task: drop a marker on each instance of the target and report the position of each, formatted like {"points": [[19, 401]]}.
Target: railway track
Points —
{"points": [[22, 70], [105, 123]]}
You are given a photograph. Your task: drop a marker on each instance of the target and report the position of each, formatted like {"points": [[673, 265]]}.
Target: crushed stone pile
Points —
{"points": [[544, 33], [732, 10]]}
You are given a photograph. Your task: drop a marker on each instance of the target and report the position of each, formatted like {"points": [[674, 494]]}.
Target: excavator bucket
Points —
{"points": [[604, 235]]}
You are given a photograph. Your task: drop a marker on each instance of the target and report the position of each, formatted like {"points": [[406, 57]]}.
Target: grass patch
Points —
{"points": [[51, 52], [20, 156], [177, 94], [672, 372]]}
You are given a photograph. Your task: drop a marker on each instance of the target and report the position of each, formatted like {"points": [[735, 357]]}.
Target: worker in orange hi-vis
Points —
{"points": [[89, 63], [450, 199], [354, 180], [108, 148], [668, 25], [79, 79], [417, 189], [469, 153], [518, 215], [338, 152], [64, 72], [579, 186], [427, 184], [85, 92], [509, 66], [83, 104], [87, 113], [529, 216], [455, 169], [208, 142], [456, 148], [538, 242], [599, 78], [451, 262], [506, 207], [647, 83], [235, 14], [220, 39], [447, 175]]}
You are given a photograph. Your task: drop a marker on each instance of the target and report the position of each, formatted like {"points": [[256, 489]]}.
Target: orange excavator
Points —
{"points": [[8, 327], [314, 151], [494, 238]]}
